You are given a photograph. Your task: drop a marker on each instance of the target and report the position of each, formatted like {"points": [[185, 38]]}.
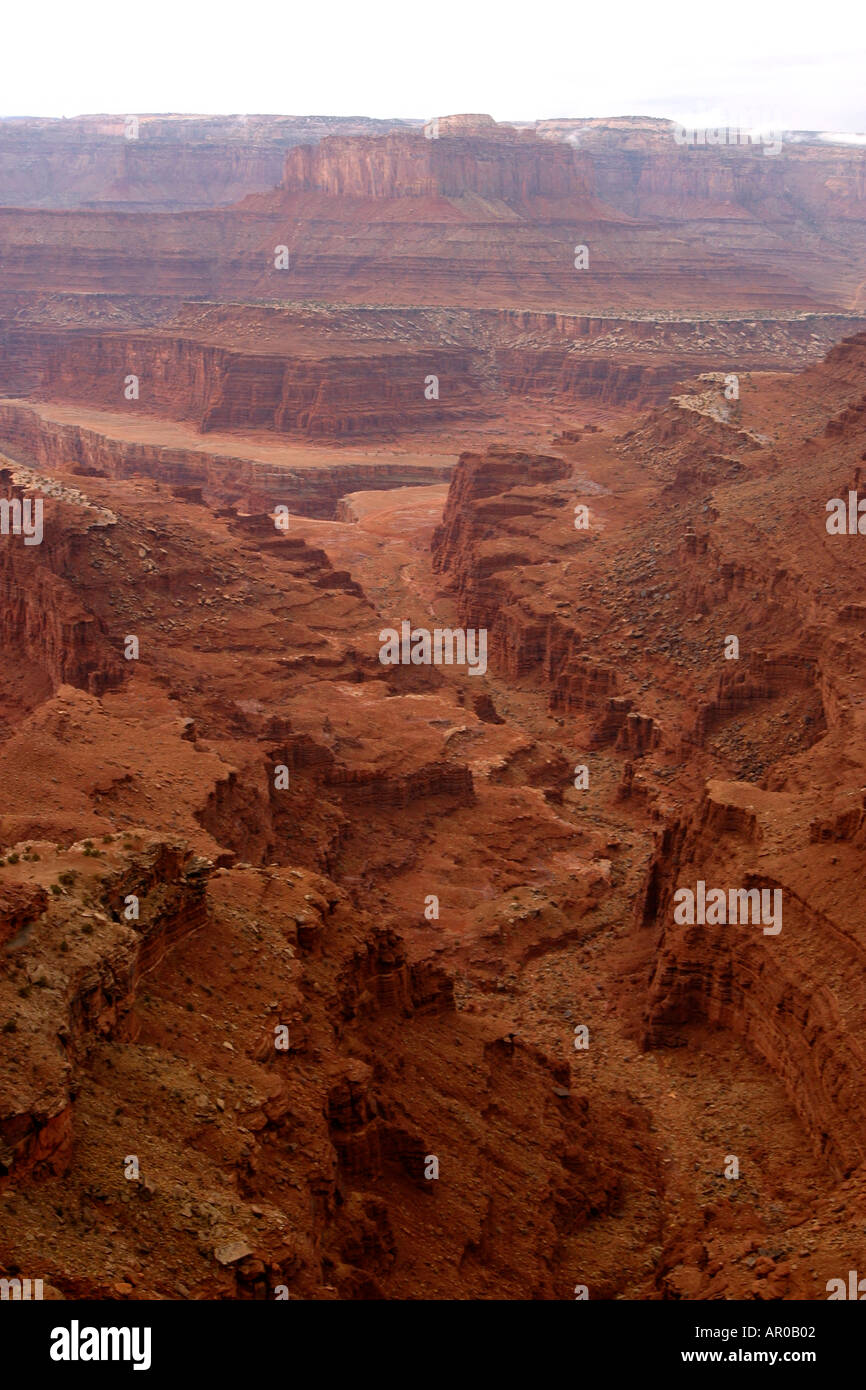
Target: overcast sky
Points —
{"points": [[738, 62]]}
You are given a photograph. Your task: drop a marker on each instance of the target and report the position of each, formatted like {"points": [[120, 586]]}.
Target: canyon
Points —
{"points": [[330, 978]]}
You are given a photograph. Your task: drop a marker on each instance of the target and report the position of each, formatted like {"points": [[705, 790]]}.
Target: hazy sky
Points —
{"points": [[738, 62]]}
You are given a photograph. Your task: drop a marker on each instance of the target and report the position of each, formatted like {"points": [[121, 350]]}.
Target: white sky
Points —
{"points": [[784, 63]]}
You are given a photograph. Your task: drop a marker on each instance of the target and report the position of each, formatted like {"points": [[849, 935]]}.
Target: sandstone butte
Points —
{"points": [[237, 835]]}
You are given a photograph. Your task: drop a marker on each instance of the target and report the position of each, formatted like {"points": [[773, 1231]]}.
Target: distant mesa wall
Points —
{"points": [[172, 162], [489, 161], [178, 162]]}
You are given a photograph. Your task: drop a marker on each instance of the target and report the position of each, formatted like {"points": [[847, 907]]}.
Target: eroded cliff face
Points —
{"points": [[250, 485], [44, 619], [217, 389], [487, 161], [346, 375], [746, 749], [148, 979], [75, 999], [762, 986], [303, 1167]]}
